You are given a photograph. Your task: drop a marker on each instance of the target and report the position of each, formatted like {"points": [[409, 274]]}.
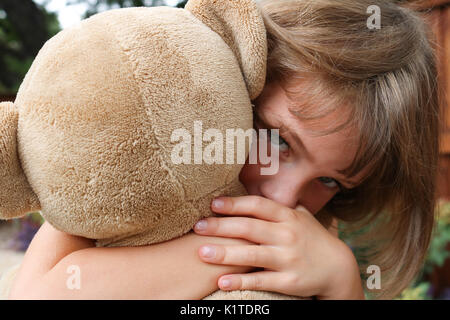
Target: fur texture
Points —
{"points": [[16, 196]]}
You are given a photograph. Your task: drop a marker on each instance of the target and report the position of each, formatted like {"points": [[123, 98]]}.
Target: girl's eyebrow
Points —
{"points": [[284, 129]]}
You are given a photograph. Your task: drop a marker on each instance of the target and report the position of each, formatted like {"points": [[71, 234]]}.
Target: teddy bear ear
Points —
{"points": [[241, 26], [16, 196]]}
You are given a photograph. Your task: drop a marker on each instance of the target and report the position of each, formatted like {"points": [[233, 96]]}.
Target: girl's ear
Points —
{"points": [[16, 196], [241, 26]]}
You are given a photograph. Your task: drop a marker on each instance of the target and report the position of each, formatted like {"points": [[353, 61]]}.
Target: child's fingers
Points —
{"points": [[250, 255], [255, 206], [255, 230], [260, 280]]}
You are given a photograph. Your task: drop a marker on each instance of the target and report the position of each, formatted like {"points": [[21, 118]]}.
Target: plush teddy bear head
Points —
{"points": [[90, 140]]}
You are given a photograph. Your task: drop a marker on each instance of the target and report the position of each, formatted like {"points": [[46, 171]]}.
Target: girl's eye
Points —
{"points": [[329, 182], [278, 141]]}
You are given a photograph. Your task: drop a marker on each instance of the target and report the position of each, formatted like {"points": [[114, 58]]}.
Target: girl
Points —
{"points": [[357, 111]]}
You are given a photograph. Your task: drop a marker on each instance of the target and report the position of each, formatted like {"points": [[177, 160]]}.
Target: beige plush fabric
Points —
{"points": [[231, 20], [93, 119], [16, 196]]}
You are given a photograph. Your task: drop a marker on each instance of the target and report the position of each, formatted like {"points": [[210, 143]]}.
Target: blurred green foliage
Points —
{"points": [[36, 218], [24, 28], [437, 255], [417, 292]]}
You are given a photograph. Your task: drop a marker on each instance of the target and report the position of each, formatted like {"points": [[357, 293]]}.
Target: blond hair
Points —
{"points": [[387, 77]]}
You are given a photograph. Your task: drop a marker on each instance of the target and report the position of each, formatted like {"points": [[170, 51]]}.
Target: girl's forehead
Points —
{"points": [[317, 115]]}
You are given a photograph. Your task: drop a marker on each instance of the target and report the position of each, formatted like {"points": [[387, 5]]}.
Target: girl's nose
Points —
{"points": [[286, 190]]}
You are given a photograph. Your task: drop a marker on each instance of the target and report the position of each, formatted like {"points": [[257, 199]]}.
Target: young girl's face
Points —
{"points": [[308, 165]]}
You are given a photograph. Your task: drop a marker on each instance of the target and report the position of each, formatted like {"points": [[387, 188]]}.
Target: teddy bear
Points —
{"points": [[89, 138]]}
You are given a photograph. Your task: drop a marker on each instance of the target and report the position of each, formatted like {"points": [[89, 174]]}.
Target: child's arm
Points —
{"points": [[168, 270]]}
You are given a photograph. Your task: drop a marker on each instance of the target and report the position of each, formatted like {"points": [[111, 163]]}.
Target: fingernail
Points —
{"points": [[208, 252], [218, 203], [201, 225], [225, 283]]}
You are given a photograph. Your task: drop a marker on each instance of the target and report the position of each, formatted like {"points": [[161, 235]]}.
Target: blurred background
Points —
{"points": [[25, 25]]}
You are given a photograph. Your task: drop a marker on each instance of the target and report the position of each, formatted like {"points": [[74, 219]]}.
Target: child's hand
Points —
{"points": [[298, 255]]}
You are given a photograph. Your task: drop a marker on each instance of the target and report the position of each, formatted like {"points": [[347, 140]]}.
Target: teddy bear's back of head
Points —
{"points": [[97, 111]]}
